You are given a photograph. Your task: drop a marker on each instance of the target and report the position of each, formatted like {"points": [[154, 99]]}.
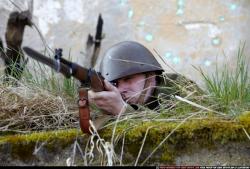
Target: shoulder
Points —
{"points": [[174, 83]]}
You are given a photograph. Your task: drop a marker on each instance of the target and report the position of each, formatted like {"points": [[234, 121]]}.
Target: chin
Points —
{"points": [[131, 101]]}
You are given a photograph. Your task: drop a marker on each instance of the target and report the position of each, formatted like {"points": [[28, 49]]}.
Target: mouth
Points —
{"points": [[128, 98], [125, 98]]}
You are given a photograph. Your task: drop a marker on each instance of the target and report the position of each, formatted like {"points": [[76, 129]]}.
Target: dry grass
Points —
{"points": [[25, 108]]}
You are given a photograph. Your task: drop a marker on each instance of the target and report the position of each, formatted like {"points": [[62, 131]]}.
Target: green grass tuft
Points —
{"points": [[230, 89]]}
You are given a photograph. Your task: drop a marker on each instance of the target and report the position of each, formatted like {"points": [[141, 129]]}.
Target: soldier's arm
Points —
{"points": [[109, 100]]}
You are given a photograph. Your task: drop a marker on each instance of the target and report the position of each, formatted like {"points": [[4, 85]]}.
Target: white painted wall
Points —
{"points": [[184, 32]]}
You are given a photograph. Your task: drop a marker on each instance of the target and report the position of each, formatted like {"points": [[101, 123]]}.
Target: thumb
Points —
{"points": [[109, 86]]}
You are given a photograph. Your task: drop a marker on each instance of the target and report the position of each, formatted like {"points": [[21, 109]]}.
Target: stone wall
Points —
{"points": [[197, 142]]}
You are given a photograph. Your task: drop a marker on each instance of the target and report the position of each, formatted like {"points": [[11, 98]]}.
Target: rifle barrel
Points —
{"points": [[65, 70], [69, 69]]}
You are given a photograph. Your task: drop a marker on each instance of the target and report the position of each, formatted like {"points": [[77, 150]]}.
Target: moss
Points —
{"points": [[40, 136], [23, 145], [244, 119], [206, 133], [168, 156], [24, 151]]}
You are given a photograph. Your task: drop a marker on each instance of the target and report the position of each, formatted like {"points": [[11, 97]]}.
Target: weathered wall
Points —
{"points": [[201, 142], [185, 32]]}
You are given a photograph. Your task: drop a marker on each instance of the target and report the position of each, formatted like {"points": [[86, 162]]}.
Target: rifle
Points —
{"points": [[84, 75]]}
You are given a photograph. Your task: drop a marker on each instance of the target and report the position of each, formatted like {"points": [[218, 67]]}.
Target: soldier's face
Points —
{"points": [[131, 87]]}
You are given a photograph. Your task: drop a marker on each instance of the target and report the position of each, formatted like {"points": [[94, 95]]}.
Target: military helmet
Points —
{"points": [[127, 58]]}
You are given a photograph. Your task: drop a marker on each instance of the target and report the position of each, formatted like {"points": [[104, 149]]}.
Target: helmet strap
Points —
{"points": [[145, 89]]}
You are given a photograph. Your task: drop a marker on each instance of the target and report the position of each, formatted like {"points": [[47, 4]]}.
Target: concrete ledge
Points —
{"points": [[210, 141]]}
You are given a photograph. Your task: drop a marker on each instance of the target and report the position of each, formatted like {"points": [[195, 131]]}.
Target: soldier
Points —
{"points": [[133, 77]]}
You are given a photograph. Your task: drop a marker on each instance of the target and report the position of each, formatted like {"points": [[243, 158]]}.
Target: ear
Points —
{"points": [[151, 76]]}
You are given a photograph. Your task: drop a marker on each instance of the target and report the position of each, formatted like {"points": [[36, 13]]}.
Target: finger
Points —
{"points": [[109, 86], [94, 98], [99, 103], [98, 95], [92, 94]]}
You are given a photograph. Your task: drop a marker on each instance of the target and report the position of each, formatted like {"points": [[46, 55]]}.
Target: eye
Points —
{"points": [[114, 83], [127, 78]]}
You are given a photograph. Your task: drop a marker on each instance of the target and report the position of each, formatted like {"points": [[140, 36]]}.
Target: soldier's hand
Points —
{"points": [[109, 100]]}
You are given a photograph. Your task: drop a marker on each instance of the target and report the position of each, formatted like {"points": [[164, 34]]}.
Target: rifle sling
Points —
{"points": [[84, 111], [141, 99]]}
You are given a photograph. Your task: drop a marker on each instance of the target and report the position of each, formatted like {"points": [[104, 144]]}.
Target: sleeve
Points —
{"points": [[102, 119]]}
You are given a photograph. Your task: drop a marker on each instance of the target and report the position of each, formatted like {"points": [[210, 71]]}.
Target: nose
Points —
{"points": [[122, 86]]}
